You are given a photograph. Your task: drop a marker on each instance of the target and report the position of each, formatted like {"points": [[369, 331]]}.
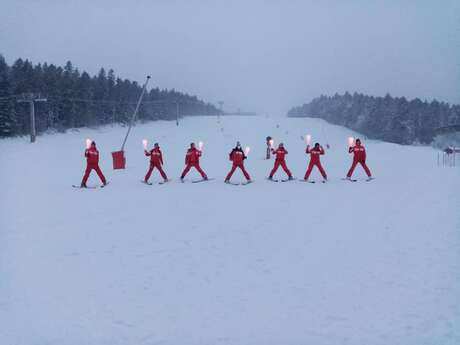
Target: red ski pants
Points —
{"points": [[363, 164], [98, 172], [277, 165], [310, 168], [241, 166], [152, 167], [196, 166]]}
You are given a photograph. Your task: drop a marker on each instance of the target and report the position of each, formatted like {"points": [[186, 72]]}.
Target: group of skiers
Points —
{"points": [[236, 156]]}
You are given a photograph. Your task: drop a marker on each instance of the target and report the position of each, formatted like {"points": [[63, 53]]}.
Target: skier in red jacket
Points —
{"points": [[92, 162], [280, 154], [315, 154], [192, 159], [156, 161], [237, 156], [359, 156]]}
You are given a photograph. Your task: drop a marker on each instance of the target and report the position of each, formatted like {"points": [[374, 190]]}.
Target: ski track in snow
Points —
{"points": [[269, 263]]}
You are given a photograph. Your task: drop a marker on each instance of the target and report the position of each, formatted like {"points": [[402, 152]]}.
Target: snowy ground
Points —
{"points": [[209, 263]]}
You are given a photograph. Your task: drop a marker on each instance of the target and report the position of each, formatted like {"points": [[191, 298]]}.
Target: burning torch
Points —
{"points": [[351, 141], [88, 143]]}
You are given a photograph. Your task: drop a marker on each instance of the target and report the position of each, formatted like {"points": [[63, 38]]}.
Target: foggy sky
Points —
{"points": [[257, 55]]}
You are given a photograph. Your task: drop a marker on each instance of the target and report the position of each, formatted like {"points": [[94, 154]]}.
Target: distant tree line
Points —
{"points": [[76, 99], [393, 119]]}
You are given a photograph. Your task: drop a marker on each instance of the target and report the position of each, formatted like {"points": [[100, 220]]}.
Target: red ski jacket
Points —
{"points": [[315, 153], [92, 156], [237, 156], [155, 156], [359, 153], [192, 156], [280, 153]]}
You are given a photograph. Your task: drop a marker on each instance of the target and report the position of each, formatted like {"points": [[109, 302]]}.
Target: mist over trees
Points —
{"points": [[76, 99], [393, 119]]}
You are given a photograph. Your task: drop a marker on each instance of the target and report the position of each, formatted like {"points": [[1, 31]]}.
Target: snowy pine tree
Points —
{"points": [[76, 99], [7, 122], [387, 118]]}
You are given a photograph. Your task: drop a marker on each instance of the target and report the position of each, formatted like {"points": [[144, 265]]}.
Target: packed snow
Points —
{"points": [[209, 263]]}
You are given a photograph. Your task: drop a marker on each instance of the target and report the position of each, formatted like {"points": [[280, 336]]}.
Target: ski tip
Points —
{"points": [[272, 180], [87, 187], [203, 180]]}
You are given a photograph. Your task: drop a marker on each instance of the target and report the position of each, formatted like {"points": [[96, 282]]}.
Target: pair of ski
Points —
{"points": [[183, 181], [239, 183], [280, 180], [200, 180], [90, 187], [312, 181], [355, 180], [151, 183]]}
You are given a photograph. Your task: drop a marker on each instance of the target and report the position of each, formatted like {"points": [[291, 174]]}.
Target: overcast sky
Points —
{"points": [[257, 55]]}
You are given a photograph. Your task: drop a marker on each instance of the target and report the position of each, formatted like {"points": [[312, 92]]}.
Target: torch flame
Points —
{"points": [[88, 143], [308, 139], [246, 150], [145, 142], [200, 145], [351, 141], [271, 142]]}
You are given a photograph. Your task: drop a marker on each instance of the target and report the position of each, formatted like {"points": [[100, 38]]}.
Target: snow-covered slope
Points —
{"points": [[209, 263]]}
